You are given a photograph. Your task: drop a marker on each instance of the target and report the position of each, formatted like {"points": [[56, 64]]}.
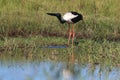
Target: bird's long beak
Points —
{"points": [[52, 14]]}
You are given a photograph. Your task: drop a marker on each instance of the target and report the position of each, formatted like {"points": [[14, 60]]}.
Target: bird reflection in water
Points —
{"points": [[68, 72]]}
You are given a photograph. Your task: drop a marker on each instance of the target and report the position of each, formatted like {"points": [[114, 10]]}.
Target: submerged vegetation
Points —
{"points": [[24, 27]]}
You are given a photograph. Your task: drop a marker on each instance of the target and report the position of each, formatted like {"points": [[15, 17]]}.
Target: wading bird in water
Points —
{"points": [[71, 18]]}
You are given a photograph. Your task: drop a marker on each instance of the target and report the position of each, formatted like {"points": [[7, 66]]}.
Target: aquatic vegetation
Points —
{"points": [[87, 51]]}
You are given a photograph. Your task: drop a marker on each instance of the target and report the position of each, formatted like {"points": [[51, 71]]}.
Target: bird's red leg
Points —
{"points": [[73, 34], [69, 34]]}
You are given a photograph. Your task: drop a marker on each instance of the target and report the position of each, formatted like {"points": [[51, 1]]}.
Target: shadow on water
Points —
{"points": [[57, 70]]}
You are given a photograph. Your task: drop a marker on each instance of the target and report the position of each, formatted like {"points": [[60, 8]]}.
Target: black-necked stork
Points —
{"points": [[71, 18]]}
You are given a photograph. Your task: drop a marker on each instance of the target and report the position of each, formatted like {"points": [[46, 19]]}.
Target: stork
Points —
{"points": [[70, 18]]}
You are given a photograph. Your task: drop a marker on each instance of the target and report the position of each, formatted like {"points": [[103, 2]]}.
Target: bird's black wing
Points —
{"points": [[77, 18]]}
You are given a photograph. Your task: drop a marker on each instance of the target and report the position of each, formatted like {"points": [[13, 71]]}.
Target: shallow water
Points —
{"points": [[49, 70], [54, 64]]}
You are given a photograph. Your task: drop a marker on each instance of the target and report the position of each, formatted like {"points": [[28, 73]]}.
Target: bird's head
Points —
{"points": [[58, 15], [55, 14]]}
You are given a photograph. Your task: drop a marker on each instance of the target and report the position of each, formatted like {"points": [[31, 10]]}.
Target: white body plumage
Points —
{"points": [[68, 17]]}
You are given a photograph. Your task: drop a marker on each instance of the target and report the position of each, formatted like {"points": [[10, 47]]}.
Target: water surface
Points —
{"points": [[58, 63], [50, 70]]}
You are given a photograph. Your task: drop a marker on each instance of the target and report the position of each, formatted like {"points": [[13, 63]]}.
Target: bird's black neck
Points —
{"points": [[58, 15], [61, 19]]}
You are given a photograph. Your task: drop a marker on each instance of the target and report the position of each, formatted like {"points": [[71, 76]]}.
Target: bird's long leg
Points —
{"points": [[69, 34], [73, 34]]}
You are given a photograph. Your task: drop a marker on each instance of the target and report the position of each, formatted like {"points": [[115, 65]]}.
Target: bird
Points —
{"points": [[70, 17]]}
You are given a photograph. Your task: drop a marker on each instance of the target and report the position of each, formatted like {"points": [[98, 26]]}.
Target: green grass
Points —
{"points": [[28, 17], [24, 26], [88, 51]]}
